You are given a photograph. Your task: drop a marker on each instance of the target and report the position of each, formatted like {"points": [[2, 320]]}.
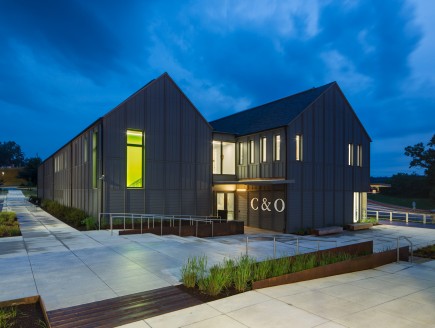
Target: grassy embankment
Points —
{"points": [[421, 203]]}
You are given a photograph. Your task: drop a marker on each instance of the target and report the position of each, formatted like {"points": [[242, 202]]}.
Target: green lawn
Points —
{"points": [[422, 203]]}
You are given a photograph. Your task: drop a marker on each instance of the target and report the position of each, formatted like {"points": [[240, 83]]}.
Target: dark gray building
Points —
{"points": [[299, 162]]}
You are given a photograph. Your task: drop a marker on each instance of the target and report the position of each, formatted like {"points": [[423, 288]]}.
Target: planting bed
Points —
{"points": [[427, 252], [242, 274], [25, 313]]}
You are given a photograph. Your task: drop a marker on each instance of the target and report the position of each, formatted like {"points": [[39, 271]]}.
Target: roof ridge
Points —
{"points": [[274, 101]]}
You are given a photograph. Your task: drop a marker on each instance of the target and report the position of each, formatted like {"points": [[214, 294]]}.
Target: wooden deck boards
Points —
{"points": [[122, 310]]}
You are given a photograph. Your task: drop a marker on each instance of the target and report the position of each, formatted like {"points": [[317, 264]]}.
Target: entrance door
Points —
{"points": [[225, 205], [356, 206]]}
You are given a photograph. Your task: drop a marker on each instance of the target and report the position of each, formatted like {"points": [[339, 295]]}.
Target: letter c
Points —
{"points": [[252, 203]]}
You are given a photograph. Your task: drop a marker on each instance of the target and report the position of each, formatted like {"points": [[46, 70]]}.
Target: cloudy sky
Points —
{"points": [[65, 63]]}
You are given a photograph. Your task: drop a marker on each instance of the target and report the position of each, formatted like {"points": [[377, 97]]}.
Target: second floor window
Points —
{"points": [[350, 154], [251, 152], [241, 154], [359, 155], [299, 147], [224, 157], [277, 155], [263, 149]]}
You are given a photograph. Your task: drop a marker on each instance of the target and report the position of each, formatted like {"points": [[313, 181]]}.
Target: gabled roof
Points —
{"points": [[268, 116]]}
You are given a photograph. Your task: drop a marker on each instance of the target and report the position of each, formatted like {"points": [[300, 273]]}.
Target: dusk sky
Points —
{"points": [[65, 63]]}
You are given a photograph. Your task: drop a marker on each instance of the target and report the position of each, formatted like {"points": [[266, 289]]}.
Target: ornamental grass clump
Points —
{"points": [[280, 266], [189, 272], [262, 270], [9, 226], [243, 273], [215, 281], [202, 273]]}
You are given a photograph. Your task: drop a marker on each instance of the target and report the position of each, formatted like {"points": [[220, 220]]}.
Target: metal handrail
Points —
{"points": [[285, 239], [398, 246], [192, 219]]}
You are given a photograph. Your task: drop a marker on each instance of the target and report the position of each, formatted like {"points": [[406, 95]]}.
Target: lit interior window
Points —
{"points": [[277, 147], [350, 154], [299, 147], [94, 159], [359, 155], [263, 149], [251, 151], [134, 159], [241, 154]]}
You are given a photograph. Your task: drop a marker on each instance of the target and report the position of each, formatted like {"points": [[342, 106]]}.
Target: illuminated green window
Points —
{"points": [[94, 159], [134, 159]]}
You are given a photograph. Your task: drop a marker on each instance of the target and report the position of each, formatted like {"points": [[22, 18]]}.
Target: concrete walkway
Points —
{"points": [[67, 267]]}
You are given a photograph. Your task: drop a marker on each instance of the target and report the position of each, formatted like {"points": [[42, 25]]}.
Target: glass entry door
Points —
{"points": [[356, 206], [225, 205]]}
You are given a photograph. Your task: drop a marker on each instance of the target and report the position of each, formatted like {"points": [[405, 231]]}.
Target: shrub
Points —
{"points": [[202, 273], [71, 216], [90, 223], [9, 225]]}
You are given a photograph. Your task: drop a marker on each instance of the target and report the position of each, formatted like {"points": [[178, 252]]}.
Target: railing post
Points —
{"points": [[141, 225], [179, 227], [377, 216], [274, 247], [196, 229], [111, 225], [161, 226], [407, 216], [124, 221], [132, 221], [391, 216], [424, 218], [212, 229]]}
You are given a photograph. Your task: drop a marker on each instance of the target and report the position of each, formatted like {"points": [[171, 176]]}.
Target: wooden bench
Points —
{"points": [[327, 230], [359, 226]]}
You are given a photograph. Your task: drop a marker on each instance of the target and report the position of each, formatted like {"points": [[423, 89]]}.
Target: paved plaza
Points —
{"points": [[68, 267]]}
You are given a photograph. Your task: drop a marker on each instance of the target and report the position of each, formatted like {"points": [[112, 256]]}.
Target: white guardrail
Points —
{"points": [[401, 216]]}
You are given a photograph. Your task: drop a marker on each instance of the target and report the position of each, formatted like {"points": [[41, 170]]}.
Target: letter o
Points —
{"points": [[252, 203], [275, 205]]}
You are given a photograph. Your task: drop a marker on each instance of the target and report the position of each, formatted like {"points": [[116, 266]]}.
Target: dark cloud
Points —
{"points": [[72, 61]]}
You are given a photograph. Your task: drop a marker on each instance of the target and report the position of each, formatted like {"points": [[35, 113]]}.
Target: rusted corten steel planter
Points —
{"points": [[200, 230], [357, 264]]}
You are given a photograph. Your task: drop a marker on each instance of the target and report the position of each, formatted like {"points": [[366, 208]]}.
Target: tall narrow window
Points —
{"points": [[277, 147], [299, 147], [94, 159], [217, 157], [350, 154], [359, 155], [251, 151], [241, 154], [224, 157], [85, 150], [134, 159], [263, 149]]}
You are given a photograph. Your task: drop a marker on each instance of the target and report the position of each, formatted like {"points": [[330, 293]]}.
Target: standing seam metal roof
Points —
{"points": [[268, 116]]}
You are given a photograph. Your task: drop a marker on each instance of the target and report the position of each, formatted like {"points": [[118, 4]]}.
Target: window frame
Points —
{"points": [[131, 146]]}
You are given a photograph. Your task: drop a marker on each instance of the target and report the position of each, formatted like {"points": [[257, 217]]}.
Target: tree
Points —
{"points": [[30, 171], [11, 154], [424, 157]]}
